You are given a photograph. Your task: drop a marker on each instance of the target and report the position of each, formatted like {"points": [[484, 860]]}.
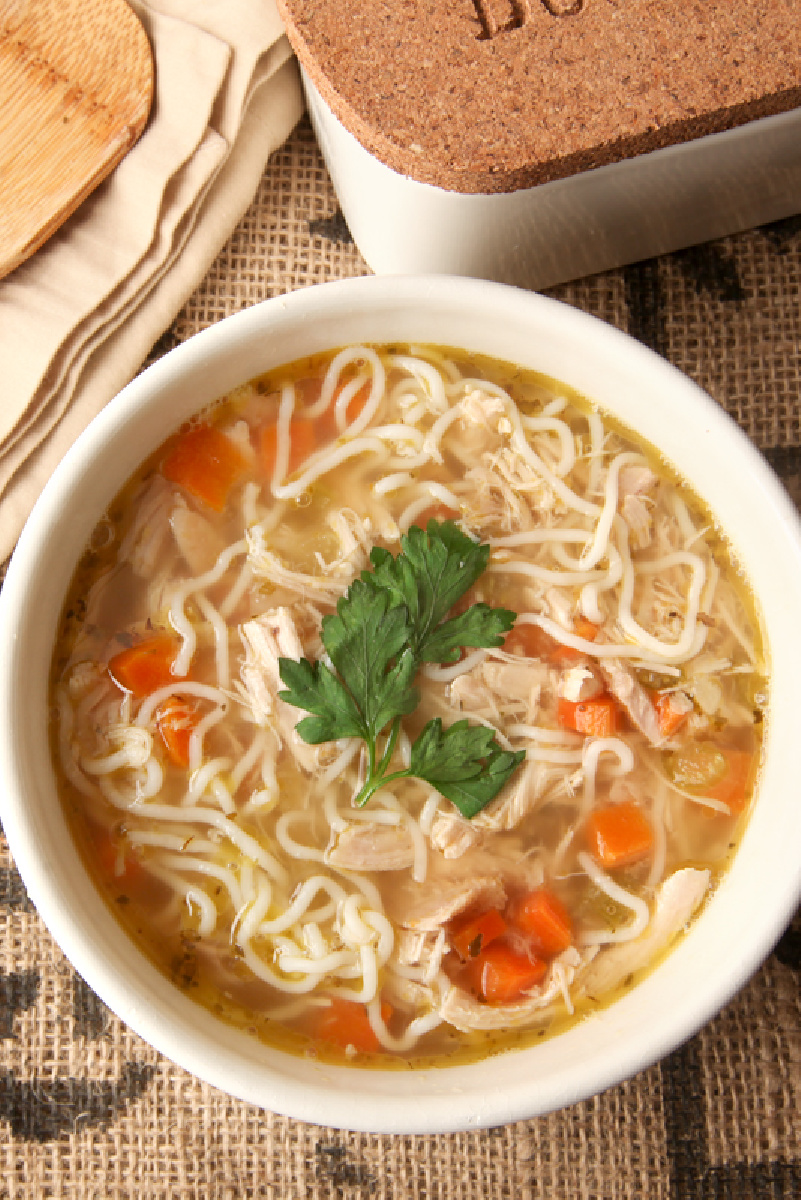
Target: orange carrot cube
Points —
{"points": [[175, 719], [207, 463], [545, 921], [143, 668], [472, 935], [501, 975], [598, 717], [619, 834]]}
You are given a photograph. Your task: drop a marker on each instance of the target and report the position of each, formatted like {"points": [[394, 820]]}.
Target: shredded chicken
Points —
{"points": [[334, 577], [500, 688], [453, 836], [425, 951], [199, 542], [634, 698], [463, 1011], [415, 946], [444, 899], [676, 901], [478, 414], [149, 532], [579, 684], [371, 847], [639, 521], [515, 682], [267, 638], [707, 692], [516, 800], [503, 494], [478, 406], [636, 479], [409, 993], [636, 484]]}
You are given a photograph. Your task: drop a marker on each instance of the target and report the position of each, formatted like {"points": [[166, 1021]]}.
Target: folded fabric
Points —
{"points": [[79, 317]]}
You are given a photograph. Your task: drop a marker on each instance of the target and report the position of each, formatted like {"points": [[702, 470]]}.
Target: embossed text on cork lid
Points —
{"points": [[496, 95]]}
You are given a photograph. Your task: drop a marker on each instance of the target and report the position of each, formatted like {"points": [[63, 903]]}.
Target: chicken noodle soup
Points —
{"points": [[623, 696]]}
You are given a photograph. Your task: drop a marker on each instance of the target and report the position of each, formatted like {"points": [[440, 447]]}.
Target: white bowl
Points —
{"points": [[746, 914]]}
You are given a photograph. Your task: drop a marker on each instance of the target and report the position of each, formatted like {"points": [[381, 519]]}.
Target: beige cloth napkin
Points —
{"points": [[79, 317]]}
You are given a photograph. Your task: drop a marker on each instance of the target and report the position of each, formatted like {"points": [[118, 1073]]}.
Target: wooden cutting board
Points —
{"points": [[76, 86]]}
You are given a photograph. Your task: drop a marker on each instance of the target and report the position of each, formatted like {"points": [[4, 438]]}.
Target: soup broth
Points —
{"points": [[625, 704]]}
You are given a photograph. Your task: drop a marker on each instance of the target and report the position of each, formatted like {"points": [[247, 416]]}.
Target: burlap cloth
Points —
{"points": [[88, 1110]]}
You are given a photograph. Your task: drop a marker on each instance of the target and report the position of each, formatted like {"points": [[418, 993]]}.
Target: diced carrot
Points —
{"points": [[269, 445], [143, 668], [529, 641], [619, 834], [584, 628], [671, 711], [346, 1023], [581, 628], [302, 443], [734, 786], [328, 421], [533, 642], [544, 919], [356, 402], [306, 435], [594, 718], [471, 936], [175, 719], [207, 463], [500, 975]]}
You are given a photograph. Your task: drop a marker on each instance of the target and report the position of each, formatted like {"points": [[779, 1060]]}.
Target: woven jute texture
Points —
{"points": [[87, 1110]]}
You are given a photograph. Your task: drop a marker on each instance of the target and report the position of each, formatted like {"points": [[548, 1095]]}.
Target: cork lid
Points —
{"points": [[496, 95]]}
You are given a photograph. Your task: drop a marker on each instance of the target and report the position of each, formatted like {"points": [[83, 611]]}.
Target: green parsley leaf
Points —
{"points": [[434, 570], [463, 762], [316, 688], [390, 621], [477, 626], [368, 642]]}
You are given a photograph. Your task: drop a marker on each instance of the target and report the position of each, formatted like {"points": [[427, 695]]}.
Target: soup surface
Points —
{"points": [[405, 706]]}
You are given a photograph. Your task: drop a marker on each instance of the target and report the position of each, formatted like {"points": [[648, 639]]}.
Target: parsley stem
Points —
{"points": [[376, 776], [372, 785], [390, 746]]}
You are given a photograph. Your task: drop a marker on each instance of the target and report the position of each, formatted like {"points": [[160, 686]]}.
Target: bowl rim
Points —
{"points": [[443, 1099]]}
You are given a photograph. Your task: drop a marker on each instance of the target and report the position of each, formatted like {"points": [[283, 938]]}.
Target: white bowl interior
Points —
{"points": [[721, 950]]}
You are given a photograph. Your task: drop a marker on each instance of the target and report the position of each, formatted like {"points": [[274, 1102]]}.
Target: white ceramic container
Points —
{"points": [[569, 228], [733, 933]]}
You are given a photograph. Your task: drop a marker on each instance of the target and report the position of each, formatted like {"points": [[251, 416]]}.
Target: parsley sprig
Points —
{"points": [[391, 620]]}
